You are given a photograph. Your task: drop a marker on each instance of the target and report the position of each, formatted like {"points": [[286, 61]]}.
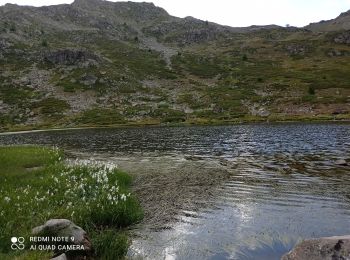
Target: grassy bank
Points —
{"points": [[37, 186], [190, 122]]}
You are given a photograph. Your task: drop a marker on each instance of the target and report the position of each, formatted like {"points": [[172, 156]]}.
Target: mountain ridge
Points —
{"points": [[109, 63]]}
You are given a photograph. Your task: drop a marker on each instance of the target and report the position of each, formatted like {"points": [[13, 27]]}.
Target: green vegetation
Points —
{"points": [[141, 64], [38, 186], [197, 65], [168, 115], [100, 116], [44, 43], [311, 90], [52, 107], [14, 95], [198, 71]]}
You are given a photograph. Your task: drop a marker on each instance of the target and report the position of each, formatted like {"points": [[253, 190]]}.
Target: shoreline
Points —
{"points": [[36, 129]]}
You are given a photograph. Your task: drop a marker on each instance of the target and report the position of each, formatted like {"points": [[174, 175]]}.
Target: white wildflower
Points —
{"points": [[123, 197]]}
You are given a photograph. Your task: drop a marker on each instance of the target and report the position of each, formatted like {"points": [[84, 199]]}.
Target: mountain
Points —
{"points": [[96, 62], [342, 22]]}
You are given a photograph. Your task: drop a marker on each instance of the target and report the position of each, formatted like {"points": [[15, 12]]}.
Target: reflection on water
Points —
{"points": [[285, 184]]}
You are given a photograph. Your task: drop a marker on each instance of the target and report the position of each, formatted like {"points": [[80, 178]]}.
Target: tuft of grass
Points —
{"points": [[37, 186], [110, 239]]}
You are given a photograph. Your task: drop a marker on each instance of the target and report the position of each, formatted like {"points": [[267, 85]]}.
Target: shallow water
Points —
{"points": [[285, 184]]}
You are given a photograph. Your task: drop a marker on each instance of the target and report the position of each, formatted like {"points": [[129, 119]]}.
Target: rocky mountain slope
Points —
{"points": [[342, 22], [96, 62]]}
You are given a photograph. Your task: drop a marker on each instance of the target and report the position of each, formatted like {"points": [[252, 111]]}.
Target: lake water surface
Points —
{"points": [[285, 183]]}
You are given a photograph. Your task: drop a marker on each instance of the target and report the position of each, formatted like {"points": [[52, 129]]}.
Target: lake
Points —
{"points": [[285, 183]]}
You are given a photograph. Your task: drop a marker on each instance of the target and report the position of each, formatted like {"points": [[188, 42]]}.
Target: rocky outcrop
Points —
{"points": [[337, 53], [71, 57], [187, 31], [297, 49], [78, 244], [327, 248], [256, 109], [88, 80], [343, 38], [4, 44], [342, 22]]}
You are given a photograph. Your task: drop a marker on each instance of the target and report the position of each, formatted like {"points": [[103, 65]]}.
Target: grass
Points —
{"points": [[37, 186], [214, 79], [52, 107], [197, 65], [168, 115], [100, 116], [14, 95]]}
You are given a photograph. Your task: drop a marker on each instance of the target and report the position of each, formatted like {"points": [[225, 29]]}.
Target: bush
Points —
{"points": [[44, 43], [311, 90]]}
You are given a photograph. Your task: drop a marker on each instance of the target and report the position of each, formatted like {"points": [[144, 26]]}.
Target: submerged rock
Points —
{"points": [[326, 248], [76, 243], [341, 162]]}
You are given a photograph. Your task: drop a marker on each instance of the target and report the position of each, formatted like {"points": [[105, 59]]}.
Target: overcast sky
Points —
{"points": [[240, 12]]}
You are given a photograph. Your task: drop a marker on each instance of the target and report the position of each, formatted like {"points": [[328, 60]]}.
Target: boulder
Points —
{"points": [[326, 248], [341, 162], [78, 243], [60, 257], [88, 80]]}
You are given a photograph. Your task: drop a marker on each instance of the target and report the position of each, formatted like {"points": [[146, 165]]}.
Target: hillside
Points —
{"points": [[342, 22], [96, 62]]}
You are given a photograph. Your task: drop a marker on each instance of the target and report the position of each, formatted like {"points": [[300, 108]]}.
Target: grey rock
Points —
{"points": [[336, 53], [60, 257], [341, 162], [260, 111], [343, 38], [71, 57], [88, 80], [296, 49], [327, 248], [66, 228]]}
